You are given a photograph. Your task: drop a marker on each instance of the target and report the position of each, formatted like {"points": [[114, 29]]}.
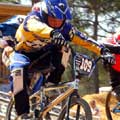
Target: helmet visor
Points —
{"points": [[54, 22]]}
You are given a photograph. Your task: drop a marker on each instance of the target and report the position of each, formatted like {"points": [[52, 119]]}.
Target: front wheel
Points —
{"points": [[79, 110], [112, 106], [11, 112]]}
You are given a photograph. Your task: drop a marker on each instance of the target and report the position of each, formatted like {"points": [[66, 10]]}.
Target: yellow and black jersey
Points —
{"points": [[34, 34], [37, 35]]}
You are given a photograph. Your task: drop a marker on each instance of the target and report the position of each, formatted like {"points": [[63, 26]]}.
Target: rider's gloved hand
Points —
{"points": [[109, 58], [58, 39]]}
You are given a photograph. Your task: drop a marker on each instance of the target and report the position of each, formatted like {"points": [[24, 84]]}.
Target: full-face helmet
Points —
{"points": [[57, 11]]}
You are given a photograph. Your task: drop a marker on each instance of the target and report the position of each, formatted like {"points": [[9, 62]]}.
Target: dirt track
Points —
{"points": [[100, 100]]}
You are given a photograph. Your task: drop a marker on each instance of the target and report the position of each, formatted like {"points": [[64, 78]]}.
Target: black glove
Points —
{"points": [[58, 39], [107, 56], [111, 60]]}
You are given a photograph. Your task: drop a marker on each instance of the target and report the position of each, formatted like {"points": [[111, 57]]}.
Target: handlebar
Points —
{"points": [[103, 57], [114, 48]]}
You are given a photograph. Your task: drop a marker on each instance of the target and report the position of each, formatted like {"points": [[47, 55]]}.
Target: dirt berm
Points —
{"points": [[100, 101]]}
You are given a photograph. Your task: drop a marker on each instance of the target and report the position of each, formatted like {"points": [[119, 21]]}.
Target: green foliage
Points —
{"points": [[97, 18], [93, 16], [11, 1], [3, 0]]}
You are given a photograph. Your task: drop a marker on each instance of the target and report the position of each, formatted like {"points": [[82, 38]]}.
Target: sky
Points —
{"points": [[26, 2]]}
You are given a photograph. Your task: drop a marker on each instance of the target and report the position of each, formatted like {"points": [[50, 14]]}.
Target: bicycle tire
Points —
{"points": [[85, 107], [11, 109], [111, 101]]}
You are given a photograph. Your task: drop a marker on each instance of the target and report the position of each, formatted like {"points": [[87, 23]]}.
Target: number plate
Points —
{"points": [[83, 64]]}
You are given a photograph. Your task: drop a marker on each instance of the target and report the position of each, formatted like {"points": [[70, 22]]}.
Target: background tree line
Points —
{"points": [[96, 18]]}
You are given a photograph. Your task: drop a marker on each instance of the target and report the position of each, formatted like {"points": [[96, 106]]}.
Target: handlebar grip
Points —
{"points": [[107, 55]]}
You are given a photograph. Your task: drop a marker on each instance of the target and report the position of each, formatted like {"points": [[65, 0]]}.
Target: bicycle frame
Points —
{"points": [[72, 88]]}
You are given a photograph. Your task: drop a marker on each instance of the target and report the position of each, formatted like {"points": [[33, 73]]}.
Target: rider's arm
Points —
{"points": [[33, 24], [32, 32], [80, 39]]}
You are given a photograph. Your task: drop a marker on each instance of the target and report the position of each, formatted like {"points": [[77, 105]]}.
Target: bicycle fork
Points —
{"points": [[75, 86]]}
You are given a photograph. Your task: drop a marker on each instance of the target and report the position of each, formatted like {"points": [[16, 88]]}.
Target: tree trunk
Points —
{"points": [[95, 75]]}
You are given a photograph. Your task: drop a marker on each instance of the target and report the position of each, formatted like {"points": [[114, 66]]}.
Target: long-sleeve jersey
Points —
{"points": [[34, 33]]}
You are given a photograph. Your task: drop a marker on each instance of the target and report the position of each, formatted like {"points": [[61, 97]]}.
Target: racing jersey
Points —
{"points": [[34, 33]]}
